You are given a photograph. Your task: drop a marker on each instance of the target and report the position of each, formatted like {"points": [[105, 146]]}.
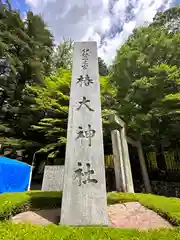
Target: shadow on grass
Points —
{"points": [[45, 200], [52, 215]]}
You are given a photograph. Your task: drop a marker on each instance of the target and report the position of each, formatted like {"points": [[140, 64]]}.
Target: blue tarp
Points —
{"points": [[14, 175]]}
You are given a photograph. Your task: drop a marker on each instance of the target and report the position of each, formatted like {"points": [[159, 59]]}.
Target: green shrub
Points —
{"points": [[39, 200], [13, 203]]}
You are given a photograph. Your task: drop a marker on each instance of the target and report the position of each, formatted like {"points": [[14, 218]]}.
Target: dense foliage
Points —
{"points": [[146, 72], [53, 100], [14, 203], [25, 50], [141, 86]]}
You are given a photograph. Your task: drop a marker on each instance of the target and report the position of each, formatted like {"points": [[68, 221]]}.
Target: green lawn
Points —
{"points": [[13, 203]]}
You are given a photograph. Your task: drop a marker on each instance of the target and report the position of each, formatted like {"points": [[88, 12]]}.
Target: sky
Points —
{"points": [[109, 22]]}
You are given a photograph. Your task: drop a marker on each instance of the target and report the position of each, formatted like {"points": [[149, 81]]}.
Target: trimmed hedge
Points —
{"points": [[13, 203]]}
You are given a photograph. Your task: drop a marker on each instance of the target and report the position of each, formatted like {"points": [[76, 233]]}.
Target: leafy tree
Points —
{"points": [[62, 56], [146, 72], [53, 100], [103, 69], [168, 20], [25, 49], [27, 58]]}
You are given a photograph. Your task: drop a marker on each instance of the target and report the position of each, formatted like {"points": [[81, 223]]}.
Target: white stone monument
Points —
{"points": [[84, 191], [118, 161], [53, 178]]}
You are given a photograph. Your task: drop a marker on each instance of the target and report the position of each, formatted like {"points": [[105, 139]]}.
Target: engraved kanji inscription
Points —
{"points": [[85, 55], [85, 52], [86, 81], [88, 175], [84, 177], [89, 134], [85, 102], [79, 173]]}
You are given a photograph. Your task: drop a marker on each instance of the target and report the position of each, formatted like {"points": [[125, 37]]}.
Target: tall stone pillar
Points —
{"points": [[84, 199], [118, 161], [126, 160], [143, 167]]}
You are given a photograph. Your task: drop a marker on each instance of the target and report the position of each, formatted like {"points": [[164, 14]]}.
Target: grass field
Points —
{"points": [[11, 204]]}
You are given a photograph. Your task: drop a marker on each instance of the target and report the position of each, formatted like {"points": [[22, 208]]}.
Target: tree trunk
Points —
{"points": [[161, 163]]}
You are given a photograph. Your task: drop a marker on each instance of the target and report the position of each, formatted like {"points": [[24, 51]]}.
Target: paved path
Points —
{"points": [[134, 215], [127, 215]]}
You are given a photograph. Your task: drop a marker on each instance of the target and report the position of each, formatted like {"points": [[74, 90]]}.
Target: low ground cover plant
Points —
{"points": [[13, 203]]}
